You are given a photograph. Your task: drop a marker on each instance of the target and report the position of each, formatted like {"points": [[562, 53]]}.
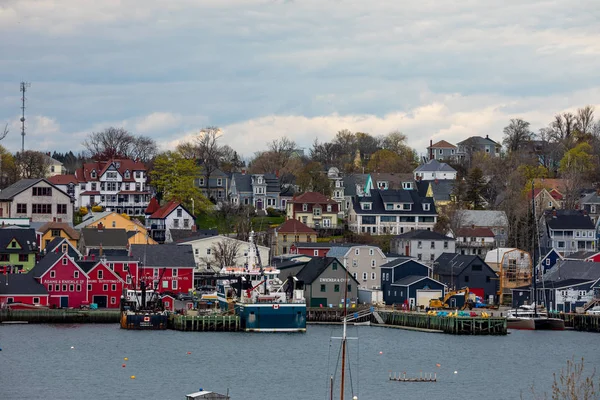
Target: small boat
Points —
{"points": [[206, 395], [528, 318]]}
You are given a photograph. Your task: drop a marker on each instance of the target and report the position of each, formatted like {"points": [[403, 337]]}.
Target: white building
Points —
{"points": [[36, 199], [205, 249], [426, 246], [161, 220], [433, 169]]}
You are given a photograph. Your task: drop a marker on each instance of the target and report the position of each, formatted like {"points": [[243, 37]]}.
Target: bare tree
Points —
{"points": [[143, 148], [118, 142], [209, 152], [516, 133], [32, 164], [224, 253], [188, 150], [563, 127]]}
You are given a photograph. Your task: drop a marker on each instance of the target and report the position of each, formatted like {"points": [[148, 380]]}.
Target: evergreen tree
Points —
{"points": [[475, 188]]}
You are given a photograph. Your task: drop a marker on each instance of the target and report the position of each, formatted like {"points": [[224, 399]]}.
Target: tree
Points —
{"points": [[32, 164], [562, 129], [187, 150], [173, 177], [231, 161], [326, 153], [516, 133], [572, 384], [575, 167], [313, 179], [209, 152], [9, 173], [224, 253], [475, 187], [388, 161], [119, 143]]}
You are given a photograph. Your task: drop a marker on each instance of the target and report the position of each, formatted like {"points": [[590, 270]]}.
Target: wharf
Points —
{"points": [[205, 323], [61, 316], [579, 322]]}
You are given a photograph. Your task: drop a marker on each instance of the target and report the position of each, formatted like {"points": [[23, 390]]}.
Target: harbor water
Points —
{"points": [[66, 362]]}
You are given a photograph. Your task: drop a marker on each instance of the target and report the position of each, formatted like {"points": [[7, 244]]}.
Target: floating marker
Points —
{"points": [[456, 372], [381, 352], [126, 359], [189, 352], [123, 365], [72, 347], [438, 365], [132, 376]]}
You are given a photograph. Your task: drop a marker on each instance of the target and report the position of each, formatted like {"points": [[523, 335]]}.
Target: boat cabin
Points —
{"points": [[206, 395]]}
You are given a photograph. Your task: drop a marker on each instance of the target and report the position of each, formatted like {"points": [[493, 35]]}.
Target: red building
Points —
{"points": [[65, 281], [123, 266], [168, 302], [21, 290], [104, 287], [173, 265], [312, 249]]}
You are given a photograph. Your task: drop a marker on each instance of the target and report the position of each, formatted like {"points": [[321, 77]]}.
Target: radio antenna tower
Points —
{"points": [[24, 86]]}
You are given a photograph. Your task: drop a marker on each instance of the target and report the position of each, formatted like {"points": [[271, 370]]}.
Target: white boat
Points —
{"points": [[527, 317]]}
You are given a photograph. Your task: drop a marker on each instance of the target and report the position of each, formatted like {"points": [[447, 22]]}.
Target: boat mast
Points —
{"points": [[344, 335], [533, 250]]}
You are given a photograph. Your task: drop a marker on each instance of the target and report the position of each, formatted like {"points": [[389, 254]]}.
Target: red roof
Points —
{"points": [[84, 174], [62, 179], [152, 206], [475, 232], [556, 194], [443, 144], [294, 226], [313, 198], [165, 210]]}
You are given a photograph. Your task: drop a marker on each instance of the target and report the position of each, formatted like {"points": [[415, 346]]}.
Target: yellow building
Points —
{"points": [[52, 230], [314, 210], [292, 231], [136, 231]]}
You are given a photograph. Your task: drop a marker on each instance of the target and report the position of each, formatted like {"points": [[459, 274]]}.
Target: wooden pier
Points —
{"points": [[401, 377], [335, 315], [579, 322], [205, 323], [61, 316], [450, 325]]}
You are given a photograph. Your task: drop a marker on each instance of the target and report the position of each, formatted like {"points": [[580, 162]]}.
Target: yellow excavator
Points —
{"points": [[442, 303]]}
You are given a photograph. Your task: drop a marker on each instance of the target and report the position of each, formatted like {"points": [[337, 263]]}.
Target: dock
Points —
{"points": [[205, 323], [579, 322], [60, 316], [423, 378]]}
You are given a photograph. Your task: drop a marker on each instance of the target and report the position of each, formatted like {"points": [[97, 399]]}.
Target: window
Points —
{"points": [[334, 266], [364, 276], [23, 257], [419, 245], [445, 245], [355, 263], [76, 274], [466, 278], [21, 208], [373, 275], [208, 252], [547, 261], [426, 206], [64, 288], [113, 300], [432, 245], [113, 287], [79, 288], [432, 257], [52, 274], [71, 288], [64, 261], [407, 207], [349, 288], [179, 213], [100, 274], [219, 181], [371, 252], [200, 181], [105, 287], [174, 273], [42, 191], [89, 287], [419, 257], [328, 208], [176, 223], [373, 263], [304, 207], [41, 208], [323, 288], [316, 212], [55, 232], [356, 251], [316, 253], [174, 284], [336, 288], [366, 206]]}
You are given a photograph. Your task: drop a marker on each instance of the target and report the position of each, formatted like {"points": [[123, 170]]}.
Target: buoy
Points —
{"points": [[189, 352], [132, 376], [381, 352], [126, 359], [438, 365], [456, 372], [123, 365], [355, 398], [72, 347]]}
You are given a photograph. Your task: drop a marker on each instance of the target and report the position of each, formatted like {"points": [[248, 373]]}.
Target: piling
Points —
{"points": [[205, 323]]}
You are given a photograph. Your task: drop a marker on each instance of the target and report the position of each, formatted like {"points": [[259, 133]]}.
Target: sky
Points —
{"points": [[305, 69]]}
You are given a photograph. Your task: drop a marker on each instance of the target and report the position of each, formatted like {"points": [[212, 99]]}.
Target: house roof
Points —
{"points": [[63, 179], [45, 264], [164, 255], [21, 284], [315, 267], [568, 219], [73, 234], [322, 245], [441, 188], [379, 197], [25, 236], [22, 185], [164, 211], [434, 166], [474, 232], [409, 280], [478, 141], [581, 255], [398, 261], [394, 180], [590, 198], [483, 218], [423, 234], [182, 235], [243, 182], [442, 144], [558, 184], [84, 174], [453, 264], [107, 237], [313, 198], [572, 269], [108, 253], [92, 218], [153, 206], [57, 242], [351, 181], [295, 226]]}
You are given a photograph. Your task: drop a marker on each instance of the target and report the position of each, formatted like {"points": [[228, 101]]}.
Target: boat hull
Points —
{"points": [[151, 322], [272, 317], [538, 324], [520, 323]]}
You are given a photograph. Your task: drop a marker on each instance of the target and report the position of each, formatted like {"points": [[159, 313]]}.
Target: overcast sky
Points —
{"points": [[301, 68]]}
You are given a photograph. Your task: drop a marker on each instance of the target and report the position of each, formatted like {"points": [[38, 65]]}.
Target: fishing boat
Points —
{"points": [[143, 309], [263, 302], [532, 317]]}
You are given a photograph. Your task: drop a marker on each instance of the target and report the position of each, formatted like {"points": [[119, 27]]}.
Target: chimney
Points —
{"points": [[430, 149], [243, 171], [93, 257], [194, 228], [277, 173], [487, 136], [436, 180], [554, 213], [100, 227]]}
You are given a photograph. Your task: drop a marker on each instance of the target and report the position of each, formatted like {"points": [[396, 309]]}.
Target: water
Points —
{"points": [[37, 362]]}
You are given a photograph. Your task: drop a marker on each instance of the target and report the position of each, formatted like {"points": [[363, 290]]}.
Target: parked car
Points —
{"points": [[594, 310], [185, 297]]}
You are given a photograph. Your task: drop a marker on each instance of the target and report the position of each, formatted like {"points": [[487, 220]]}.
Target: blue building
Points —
{"points": [[461, 270], [549, 260], [408, 282], [258, 190]]}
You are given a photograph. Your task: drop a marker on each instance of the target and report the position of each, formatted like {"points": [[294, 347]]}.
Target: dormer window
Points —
{"points": [[317, 211], [304, 207], [366, 206], [406, 185], [127, 174], [382, 185], [389, 206], [93, 174], [259, 180], [117, 164], [426, 206], [407, 206], [328, 208]]}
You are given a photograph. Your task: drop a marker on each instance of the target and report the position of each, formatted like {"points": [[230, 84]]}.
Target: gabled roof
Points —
{"points": [[153, 206], [315, 267], [93, 218], [84, 174], [453, 264], [22, 185], [412, 279], [572, 269], [568, 219], [474, 232], [558, 184], [434, 166], [63, 179], [590, 198], [378, 198], [312, 198], [21, 284], [441, 188], [72, 233], [24, 236], [478, 141], [423, 234], [107, 237], [56, 245], [295, 226], [167, 209], [400, 260], [351, 181], [164, 255], [483, 218], [243, 182], [45, 264], [442, 144]]}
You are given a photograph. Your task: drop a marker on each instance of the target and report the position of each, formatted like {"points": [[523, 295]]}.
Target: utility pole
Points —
{"points": [[24, 86]]}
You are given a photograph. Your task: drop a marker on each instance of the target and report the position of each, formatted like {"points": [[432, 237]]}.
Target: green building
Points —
{"points": [[18, 248]]}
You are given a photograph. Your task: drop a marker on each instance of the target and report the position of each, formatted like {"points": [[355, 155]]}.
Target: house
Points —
{"points": [[475, 144], [63, 245], [36, 199], [548, 259], [212, 253], [53, 230], [354, 185], [292, 231], [67, 183], [471, 240], [590, 203], [316, 249], [55, 167], [18, 248], [514, 268], [432, 170], [286, 194], [497, 221], [458, 271], [568, 231], [323, 280], [105, 286], [216, 187], [21, 289], [391, 212], [425, 245], [125, 266], [101, 238], [337, 189], [408, 282], [65, 281], [439, 190], [385, 181], [172, 215], [583, 255], [363, 262], [441, 150], [314, 210], [171, 264], [136, 231], [546, 199], [118, 185], [258, 190]]}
